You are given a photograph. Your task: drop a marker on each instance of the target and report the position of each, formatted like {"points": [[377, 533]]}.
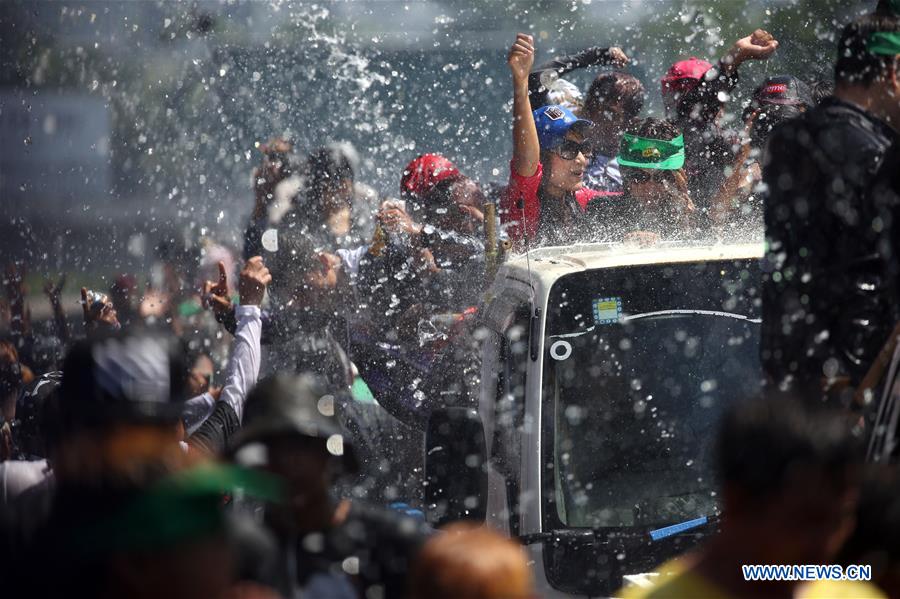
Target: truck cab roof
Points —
{"points": [[529, 276]]}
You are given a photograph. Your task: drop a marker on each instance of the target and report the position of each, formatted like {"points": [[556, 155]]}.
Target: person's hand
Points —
{"points": [[98, 310], [472, 212], [759, 45], [52, 290], [616, 57], [427, 262], [215, 295], [392, 203], [197, 382], [521, 57], [253, 281], [6, 442], [397, 220]]}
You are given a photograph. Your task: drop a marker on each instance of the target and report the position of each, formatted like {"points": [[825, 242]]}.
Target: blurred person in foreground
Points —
{"points": [[114, 433], [206, 419], [656, 204], [122, 511], [789, 476], [695, 94], [329, 547], [832, 293], [465, 561], [612, 102], [876, 539]]}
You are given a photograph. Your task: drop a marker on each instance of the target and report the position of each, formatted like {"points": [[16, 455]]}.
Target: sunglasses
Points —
{"points": [[569, 150], [644, 175]]}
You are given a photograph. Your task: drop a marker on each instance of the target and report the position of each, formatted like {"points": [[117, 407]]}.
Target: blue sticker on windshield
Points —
{"points": [[668, 531], [607, 310]]}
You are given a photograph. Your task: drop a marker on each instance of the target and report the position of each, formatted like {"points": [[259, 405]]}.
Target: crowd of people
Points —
{"points": [[258, 432]]}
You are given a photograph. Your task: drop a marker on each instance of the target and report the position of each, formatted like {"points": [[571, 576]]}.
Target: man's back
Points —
{"points": [[827, 302]]}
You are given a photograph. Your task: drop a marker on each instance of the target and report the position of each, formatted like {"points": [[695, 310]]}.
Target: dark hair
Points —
{"points": [[441, 195], [821, 89], [616, 87], [326, 169], [763, 442], [655, 129], [855, 64], [768, 117]]}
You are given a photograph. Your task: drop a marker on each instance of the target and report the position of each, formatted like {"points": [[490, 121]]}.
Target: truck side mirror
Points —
{"points": [[455, 466]]}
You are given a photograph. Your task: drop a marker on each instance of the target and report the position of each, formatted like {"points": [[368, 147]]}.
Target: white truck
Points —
{"points": [[604, 372]]}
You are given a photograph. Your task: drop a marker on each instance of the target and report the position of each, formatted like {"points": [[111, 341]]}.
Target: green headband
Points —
{"points": [[643, 152], [885, 43]]}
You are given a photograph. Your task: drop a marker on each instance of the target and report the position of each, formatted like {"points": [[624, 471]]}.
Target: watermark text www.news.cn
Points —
{"points": [[805, 572]]}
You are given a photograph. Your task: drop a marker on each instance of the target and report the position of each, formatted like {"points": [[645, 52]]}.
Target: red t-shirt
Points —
{"points": [[521, 196]]}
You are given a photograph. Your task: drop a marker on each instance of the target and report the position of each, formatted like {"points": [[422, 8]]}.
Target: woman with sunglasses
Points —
{"points": [[546, 199], [656, 203]]}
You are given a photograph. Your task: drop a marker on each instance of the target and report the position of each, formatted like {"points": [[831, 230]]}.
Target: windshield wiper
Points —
{"points": [[674, 529], [627, 533]]}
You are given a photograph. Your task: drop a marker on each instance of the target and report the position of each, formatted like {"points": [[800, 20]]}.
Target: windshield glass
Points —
{"points": [[639, 365]]}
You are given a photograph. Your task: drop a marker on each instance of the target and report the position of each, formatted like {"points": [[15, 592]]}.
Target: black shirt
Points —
{"points": [[829, 300], [371, 551]]}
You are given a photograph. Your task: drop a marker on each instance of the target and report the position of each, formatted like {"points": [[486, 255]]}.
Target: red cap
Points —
{"points": [[684, 74], [426, 171]]}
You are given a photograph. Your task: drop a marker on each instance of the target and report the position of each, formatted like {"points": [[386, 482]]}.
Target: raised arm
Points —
{"points": [[20, 315], [243, 366], [526, 148], [53, 291], [704, 101], [593, 56]]}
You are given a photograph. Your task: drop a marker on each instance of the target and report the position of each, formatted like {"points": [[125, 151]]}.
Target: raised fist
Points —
{"points": [[760, 45], [521, 56]]}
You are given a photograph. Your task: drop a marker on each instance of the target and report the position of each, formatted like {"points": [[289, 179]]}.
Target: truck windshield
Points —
{"points": [[639, 365]]}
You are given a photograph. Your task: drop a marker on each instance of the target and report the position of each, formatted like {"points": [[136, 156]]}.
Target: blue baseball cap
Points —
{"points": [[553, 122]]}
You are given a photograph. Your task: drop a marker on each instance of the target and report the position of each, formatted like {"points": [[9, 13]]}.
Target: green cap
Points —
{"points": [[182, 507], [885, 43], [644, 152]]}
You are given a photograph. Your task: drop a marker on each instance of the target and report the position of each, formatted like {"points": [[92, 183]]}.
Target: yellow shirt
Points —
{"points": [[839, 589], [674, 582]]}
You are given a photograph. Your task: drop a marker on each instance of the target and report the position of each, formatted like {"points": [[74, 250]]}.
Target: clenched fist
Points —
{"points": [[521, 57], [760, 45]]}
